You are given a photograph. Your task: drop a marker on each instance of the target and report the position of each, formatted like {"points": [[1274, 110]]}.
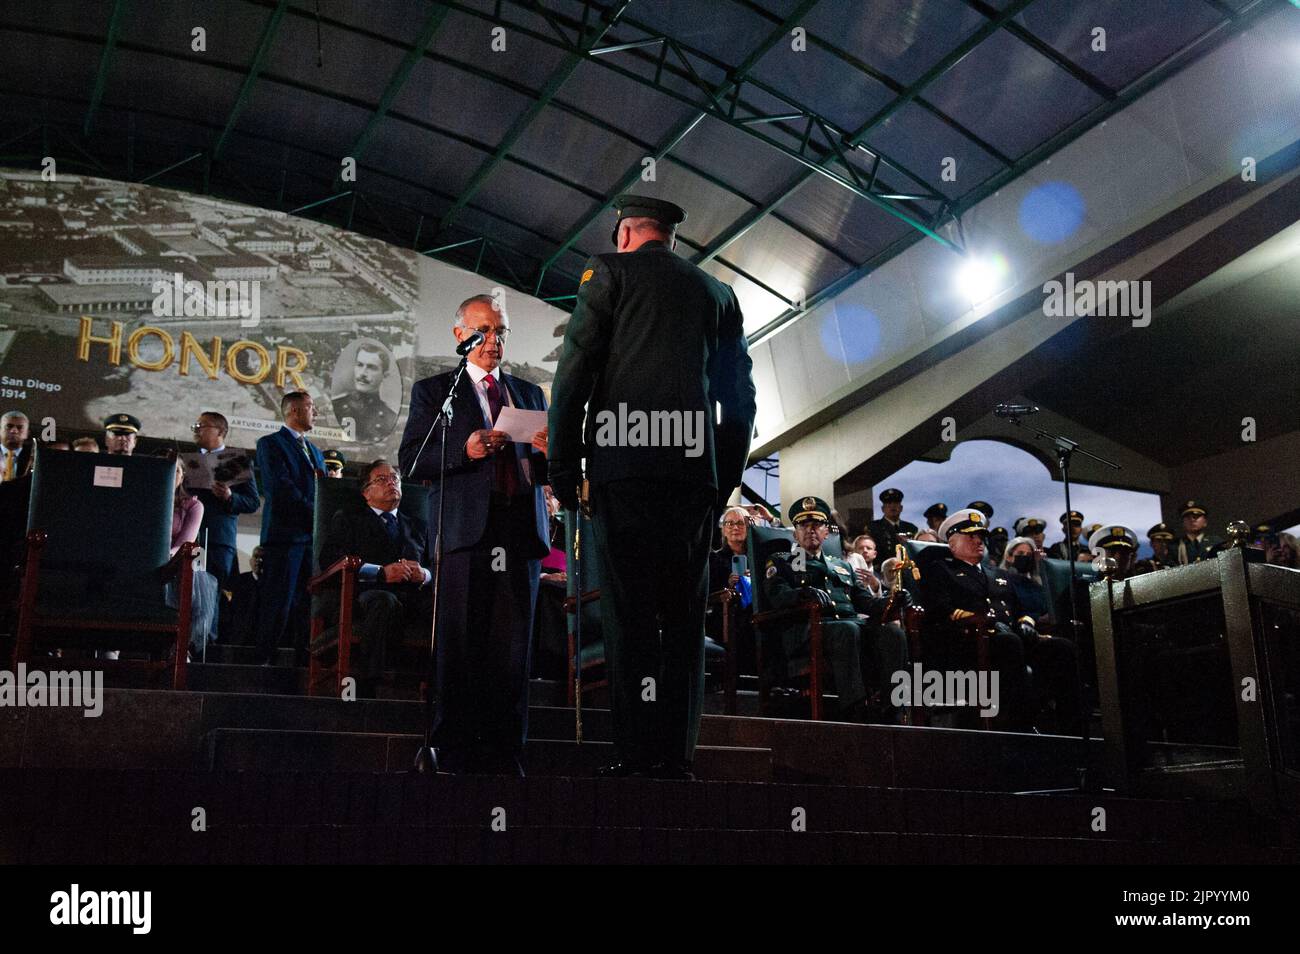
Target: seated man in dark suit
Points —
{"points": [[393, 548]]}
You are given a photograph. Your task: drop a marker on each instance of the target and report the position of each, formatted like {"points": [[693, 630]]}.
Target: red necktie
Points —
{"points": [[507, 477]]}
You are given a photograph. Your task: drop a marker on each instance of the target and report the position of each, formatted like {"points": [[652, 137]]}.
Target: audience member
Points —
{"points": [[288, 464], [1072, 529], [890, 528], [935, 515], [239, 626], [221, 504], [735, 524], [187, 517], [1032, 528], [1020, 564], [1195, 544], [16, 445], [394, 549], [334, 462], [86, 445], [120, 433]]}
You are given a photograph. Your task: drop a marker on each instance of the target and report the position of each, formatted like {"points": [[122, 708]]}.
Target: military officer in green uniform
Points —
{"points": [[653, 346], [374, 419], [1161, 539], [853, 640], [888, 530], [1195, 544]]}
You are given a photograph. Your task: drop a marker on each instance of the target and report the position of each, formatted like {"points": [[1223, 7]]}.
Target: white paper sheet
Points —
{"points": [[522, 426]]}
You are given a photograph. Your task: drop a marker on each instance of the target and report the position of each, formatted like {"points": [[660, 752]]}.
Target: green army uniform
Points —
{"points": [[652, 334], [851, 645]]}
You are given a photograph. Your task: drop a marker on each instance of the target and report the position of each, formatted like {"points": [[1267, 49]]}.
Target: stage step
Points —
{"points": [[59, 816], [267, 750]]}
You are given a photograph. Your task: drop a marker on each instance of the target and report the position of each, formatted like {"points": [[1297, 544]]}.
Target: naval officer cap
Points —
{"points": [[1112, 538], [1028, 526], [965, 521], [1072, 516], [891, 495], [1160, 531], [939, 510], [122, 424], [983, 506], [629, 206]]}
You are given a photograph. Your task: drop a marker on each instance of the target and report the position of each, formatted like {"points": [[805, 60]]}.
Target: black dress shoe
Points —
{"points": [[624, 770]]}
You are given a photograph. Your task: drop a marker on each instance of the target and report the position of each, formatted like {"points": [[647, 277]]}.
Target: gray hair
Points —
{"points": [[497, 305], [14, 416], [1006, 563]]}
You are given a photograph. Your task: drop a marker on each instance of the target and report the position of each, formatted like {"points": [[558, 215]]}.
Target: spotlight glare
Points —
{"points": [[981, 277]]}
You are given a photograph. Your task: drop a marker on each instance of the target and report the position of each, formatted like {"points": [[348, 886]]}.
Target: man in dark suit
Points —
{"points": [[654, 345], [392, 581], [494, 535], [288, 463], [15, 447], [239, 626], [16, 453], [222, 505]]}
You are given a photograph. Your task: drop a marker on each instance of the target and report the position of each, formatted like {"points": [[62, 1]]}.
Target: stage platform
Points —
{"points": [[292, 779]]}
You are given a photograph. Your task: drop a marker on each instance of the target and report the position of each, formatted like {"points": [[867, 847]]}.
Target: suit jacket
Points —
{"points": [[651, 332], [23, 463], [469, 482], [220, 517], [359, 531], [289, 484]]}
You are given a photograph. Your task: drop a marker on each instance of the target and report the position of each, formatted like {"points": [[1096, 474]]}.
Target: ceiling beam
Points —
{"points": [[105, 63], [254, 70], [572, 60], [398, 81], [633, 175]]}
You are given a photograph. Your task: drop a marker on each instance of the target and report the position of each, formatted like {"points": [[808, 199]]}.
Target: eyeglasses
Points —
{"points": [[198, 427], [489, 332], [735, 523], [385, 479]]}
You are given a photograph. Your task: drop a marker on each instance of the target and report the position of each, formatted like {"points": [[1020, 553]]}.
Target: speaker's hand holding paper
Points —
{"points": [[521, 425]]}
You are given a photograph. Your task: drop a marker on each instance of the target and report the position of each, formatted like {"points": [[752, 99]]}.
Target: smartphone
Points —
{"points": [[739, 565]]}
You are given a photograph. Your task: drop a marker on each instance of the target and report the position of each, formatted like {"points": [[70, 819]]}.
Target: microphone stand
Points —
{"points": [[1065, 448], [426, 760]]}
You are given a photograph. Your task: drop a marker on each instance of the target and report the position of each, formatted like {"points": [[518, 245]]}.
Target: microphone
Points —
{"points": [[474, 340], [1015, 410]]}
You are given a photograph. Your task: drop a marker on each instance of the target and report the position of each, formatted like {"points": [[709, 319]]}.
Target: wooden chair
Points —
{"points": [[330, 645], [97, 561]]}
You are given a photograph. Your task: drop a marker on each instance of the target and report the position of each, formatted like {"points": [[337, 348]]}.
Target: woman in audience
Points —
{"points": [[1020, 563], [735, 528], [187, 515], [735, 524], [1283, 551]]}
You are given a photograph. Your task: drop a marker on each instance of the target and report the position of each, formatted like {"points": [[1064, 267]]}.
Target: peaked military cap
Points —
{"points": [[891, 495], [628, 206], [1107, 538], [122, 423], [964, 521], [1028, 526], [1074, 517], [1191, 506], [813, 507], [936, 510], [1160, 531], [333, 460], [983, 506]]}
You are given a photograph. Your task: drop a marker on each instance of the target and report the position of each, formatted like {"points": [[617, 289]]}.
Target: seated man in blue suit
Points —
{"points": [[393, 578], [288, 463], [494, 537], [222, 506]]}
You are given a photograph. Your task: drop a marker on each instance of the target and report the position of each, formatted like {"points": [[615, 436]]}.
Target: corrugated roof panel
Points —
{"points": [[1011, 95], [576, 150]]}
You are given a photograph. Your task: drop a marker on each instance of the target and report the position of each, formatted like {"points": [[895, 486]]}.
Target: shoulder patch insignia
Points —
{"points": [[586, 277]]}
